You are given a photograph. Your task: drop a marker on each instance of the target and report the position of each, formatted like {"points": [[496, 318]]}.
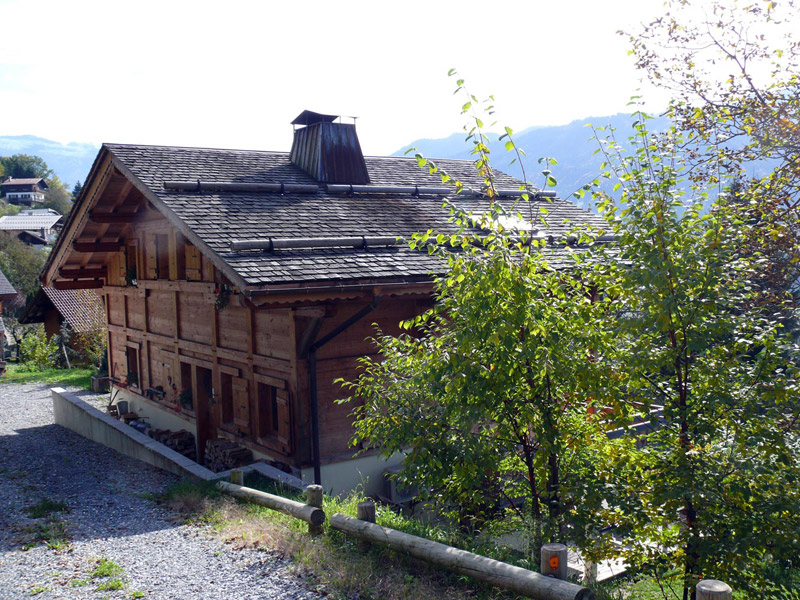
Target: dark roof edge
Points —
{"points": [[77, 208], [267, 290]]}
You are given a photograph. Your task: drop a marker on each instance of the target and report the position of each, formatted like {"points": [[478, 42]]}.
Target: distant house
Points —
{"points": [[81, 310], [34, 227], [25, 192], [240, 284]]}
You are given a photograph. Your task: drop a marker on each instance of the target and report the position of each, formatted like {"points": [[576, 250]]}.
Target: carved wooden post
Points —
{"points": [[237, 476], [366, 512], [554, 561], [711, 589], [314, 498]]}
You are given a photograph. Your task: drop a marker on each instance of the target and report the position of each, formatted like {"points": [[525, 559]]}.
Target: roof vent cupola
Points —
{"points": [[328, 150]]}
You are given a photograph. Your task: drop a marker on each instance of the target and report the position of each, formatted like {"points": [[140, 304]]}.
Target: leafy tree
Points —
{"points": [[57, 197], [711, 367], [487, 396], [22, 166], [21, 263], [734, 73]]}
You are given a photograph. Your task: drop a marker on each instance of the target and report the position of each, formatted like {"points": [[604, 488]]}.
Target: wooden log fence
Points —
{"points": [[550, 584], [310, 514], [516, 579]]}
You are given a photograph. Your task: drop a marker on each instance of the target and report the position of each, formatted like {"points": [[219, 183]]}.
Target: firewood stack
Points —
{"points": [[181, 441], [222, 455]]}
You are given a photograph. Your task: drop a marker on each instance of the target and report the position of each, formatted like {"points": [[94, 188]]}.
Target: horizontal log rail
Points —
{"points": [[310, 514], [516, 579]]}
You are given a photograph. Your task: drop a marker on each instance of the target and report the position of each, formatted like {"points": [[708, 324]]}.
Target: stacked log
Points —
{"points": [[222, 455], [181, 441]]}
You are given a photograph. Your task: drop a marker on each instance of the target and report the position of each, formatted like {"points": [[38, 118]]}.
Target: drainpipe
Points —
{"points": [[312, 374]]}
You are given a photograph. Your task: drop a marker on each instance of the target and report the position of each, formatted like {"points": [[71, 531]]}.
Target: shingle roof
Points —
{"points": [[221, 217], [82, 310], [28, 222], [22, 181], [6, 289]]}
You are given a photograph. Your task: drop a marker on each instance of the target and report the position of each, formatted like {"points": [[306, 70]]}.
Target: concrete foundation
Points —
{"points": [[75, 414], [339, 478], [364, 472]]}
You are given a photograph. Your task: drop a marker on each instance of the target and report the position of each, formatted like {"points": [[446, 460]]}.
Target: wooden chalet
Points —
{"points": [[24, 191], [240, 284]]}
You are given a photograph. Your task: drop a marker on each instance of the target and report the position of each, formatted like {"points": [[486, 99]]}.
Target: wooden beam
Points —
{"points": [[96, 246], [78, 285], [109, 218], [83, 273], [265, 362]]}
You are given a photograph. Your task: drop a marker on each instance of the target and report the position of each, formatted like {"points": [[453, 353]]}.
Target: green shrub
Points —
{"points": [[36, 350]]}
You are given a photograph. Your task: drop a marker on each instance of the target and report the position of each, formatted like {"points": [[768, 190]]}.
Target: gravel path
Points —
{"points": [[109, 516]]}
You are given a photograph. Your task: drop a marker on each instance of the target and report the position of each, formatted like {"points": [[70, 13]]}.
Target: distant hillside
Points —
{"points": [[568, 144], [71, 162]]}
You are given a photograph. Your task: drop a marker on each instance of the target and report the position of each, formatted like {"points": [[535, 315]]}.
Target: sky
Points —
{"points": [[234, 74]]}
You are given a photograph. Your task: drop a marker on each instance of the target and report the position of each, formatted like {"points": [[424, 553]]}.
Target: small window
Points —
{"points": [[267, 410], [132, 358], [186, 393], [226, 397]]}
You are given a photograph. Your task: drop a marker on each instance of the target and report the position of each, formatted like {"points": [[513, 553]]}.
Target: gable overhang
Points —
{"points": [[105, 166]]}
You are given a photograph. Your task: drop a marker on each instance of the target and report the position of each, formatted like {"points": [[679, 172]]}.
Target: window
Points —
{"points": [[267, 410], [186, 395], [226, 397], [132, 359]]}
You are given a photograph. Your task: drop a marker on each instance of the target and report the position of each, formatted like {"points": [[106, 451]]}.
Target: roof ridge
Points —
{"points": [[111, 145]]}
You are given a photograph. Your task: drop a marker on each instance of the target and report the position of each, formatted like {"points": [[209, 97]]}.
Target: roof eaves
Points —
{"points": [[68, 230]]}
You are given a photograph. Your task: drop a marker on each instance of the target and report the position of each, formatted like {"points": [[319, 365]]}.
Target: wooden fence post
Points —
{"points": [[237, 476], [314, 498], [365, 511], [554, 561], [711, 589]]}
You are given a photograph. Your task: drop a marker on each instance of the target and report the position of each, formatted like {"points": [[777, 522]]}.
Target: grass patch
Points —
{"points": [[115, 583], [332, 564], [106, 568], [45, 507], [23, 373], [52, 533], [136, 594], [39, 589]]}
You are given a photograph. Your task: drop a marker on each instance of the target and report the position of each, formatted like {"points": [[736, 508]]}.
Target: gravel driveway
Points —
{"points": [[108, 516]]}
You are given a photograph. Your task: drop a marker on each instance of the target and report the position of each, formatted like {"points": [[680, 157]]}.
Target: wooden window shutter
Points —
{"points": [[241, 404], [284, 425], [193, 264], [150, 256]]}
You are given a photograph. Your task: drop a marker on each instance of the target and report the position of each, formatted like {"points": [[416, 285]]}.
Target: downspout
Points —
{"points": [[312, 375]]}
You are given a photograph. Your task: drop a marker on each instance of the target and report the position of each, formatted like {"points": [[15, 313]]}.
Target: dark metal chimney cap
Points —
{"points": [[309, 117]]}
